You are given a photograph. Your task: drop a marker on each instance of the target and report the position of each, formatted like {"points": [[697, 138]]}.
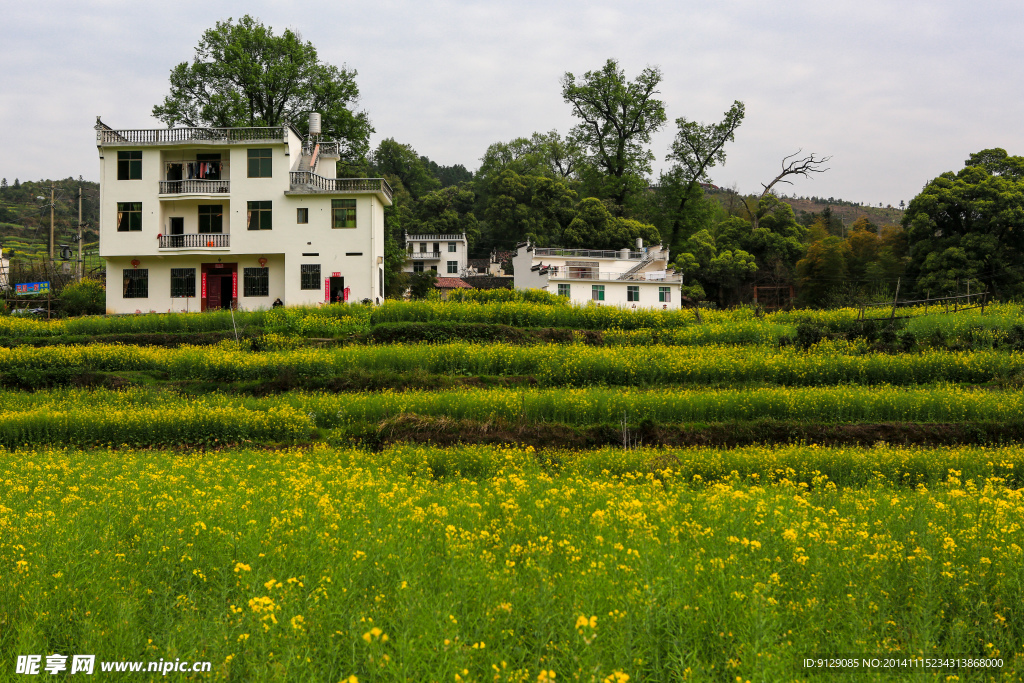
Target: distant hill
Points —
{"points": [[849, 212]]}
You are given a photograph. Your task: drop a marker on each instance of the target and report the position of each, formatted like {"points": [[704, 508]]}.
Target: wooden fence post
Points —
{"points": [[895, 298]]}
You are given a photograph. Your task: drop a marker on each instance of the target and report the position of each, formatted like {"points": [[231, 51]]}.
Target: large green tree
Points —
{"points": [[698, 147], [617, 119], [244, 75], [970, 226]]}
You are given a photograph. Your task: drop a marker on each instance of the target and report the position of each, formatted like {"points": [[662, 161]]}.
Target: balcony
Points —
{"points": [[186, 188], [193, 241], [578, 273], [306, 182], [439, 237], [424, 255]]}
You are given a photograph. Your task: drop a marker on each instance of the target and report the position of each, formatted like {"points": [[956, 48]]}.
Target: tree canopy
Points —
{"points": [[617, 119], [244, 75], [970, 226]]}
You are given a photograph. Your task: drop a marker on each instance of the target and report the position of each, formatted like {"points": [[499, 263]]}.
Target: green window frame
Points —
{"points": [[129, 165], [302, 215], [665, 294], [136, 283], [417, 266], [563, 289], [632, 292], [451, 247], [343, 213], [259, 215], [183, 283], [309, 275], [453, 267], [261, 163], [211, 219], [255, 282], [129, 216], [597, 292]]}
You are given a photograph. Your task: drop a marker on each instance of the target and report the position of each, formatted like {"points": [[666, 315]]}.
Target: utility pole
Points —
{"points": [[81, 263], [51, 224]]}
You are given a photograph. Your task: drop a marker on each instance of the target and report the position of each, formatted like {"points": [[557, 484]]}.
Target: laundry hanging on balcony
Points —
{"points": [[202, 170]]}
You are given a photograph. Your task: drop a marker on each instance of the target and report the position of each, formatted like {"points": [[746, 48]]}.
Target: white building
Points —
{"points": [[444, 254], [626, 278], [208, 218]]}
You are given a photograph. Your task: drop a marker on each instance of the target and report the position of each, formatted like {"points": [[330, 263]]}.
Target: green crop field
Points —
{"points": [[510, 488]]}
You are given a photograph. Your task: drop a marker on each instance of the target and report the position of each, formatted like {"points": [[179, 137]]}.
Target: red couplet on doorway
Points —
{"points": [[327, 289], [204, 286], [234, 285]]}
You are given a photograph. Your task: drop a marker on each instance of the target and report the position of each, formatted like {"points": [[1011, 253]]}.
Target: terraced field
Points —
{"points": [[517, 490]]}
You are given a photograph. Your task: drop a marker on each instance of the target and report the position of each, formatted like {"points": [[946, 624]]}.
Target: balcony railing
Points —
{"points": [[318, 183], [162, 136], [424, 255], [193, 241], [194, 186], [585, 253]]}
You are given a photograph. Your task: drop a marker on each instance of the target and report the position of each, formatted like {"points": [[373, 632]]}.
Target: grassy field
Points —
{"points": [[607, 498]]}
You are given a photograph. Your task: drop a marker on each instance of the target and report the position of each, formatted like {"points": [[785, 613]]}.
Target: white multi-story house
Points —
{"points": [[208, 218], [626, 278], [446, 255]]}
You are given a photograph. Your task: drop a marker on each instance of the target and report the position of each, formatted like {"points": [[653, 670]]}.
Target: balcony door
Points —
{"points": [[177, 225]]}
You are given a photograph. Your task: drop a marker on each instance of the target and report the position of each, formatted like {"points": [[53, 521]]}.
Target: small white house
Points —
{"points": [[626, 278], [208, 218], [446, 255]]}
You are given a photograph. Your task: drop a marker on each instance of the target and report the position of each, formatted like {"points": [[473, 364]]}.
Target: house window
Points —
{"points": [[260, 163], [665, 294], [129, 216], [451, 247], [183, 282], [129, 165], [255, 282], [259, 215], [423, 247], [310, 274], [632, 292], [211, 219], [136, 283], [563, 289], [433, 269], [344, 211], [597, 292], [453, 266], [301, 216], [417, 267]]}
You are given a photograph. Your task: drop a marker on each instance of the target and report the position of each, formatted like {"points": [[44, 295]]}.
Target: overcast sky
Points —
{"points": [[895, 92]]}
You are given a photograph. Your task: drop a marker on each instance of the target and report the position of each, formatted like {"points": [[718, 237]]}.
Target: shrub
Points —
{"points": [[87, 297]]}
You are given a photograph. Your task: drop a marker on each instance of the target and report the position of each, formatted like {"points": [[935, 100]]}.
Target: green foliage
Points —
{"points": [[392, 158], [969, 226], [528, 296], [244, 75], [617, 119], [421, 285], [521, 207], [594, 227], [87, 297], [395, 281]]}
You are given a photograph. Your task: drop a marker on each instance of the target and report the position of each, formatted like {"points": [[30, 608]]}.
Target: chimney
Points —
{"points": [[639, 243]]}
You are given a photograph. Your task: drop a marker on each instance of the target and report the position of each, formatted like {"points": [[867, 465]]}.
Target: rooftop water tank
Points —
{"points": [[314, 123]]}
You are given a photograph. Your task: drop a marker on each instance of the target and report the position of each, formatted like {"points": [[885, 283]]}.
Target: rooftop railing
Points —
{"points": [[433, 238], [318, 183], [163, 136], [585, 253]]}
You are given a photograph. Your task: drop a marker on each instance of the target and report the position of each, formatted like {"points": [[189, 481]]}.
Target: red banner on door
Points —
{"points": [[204, 285], [234, 285], [338, 274], [327, 289]]}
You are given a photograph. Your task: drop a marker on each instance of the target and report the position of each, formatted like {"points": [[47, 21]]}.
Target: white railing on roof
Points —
{"points": [[581, 273], [437, 238], [160, 136], [586, 253], [319, 183]]}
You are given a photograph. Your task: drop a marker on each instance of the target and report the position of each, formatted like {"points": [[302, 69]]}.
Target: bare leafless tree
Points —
{"points": [[792, 165]]}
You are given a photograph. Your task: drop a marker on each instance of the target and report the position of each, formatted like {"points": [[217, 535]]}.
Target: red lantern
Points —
{"points": [[135, 263], [263, 262]]}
